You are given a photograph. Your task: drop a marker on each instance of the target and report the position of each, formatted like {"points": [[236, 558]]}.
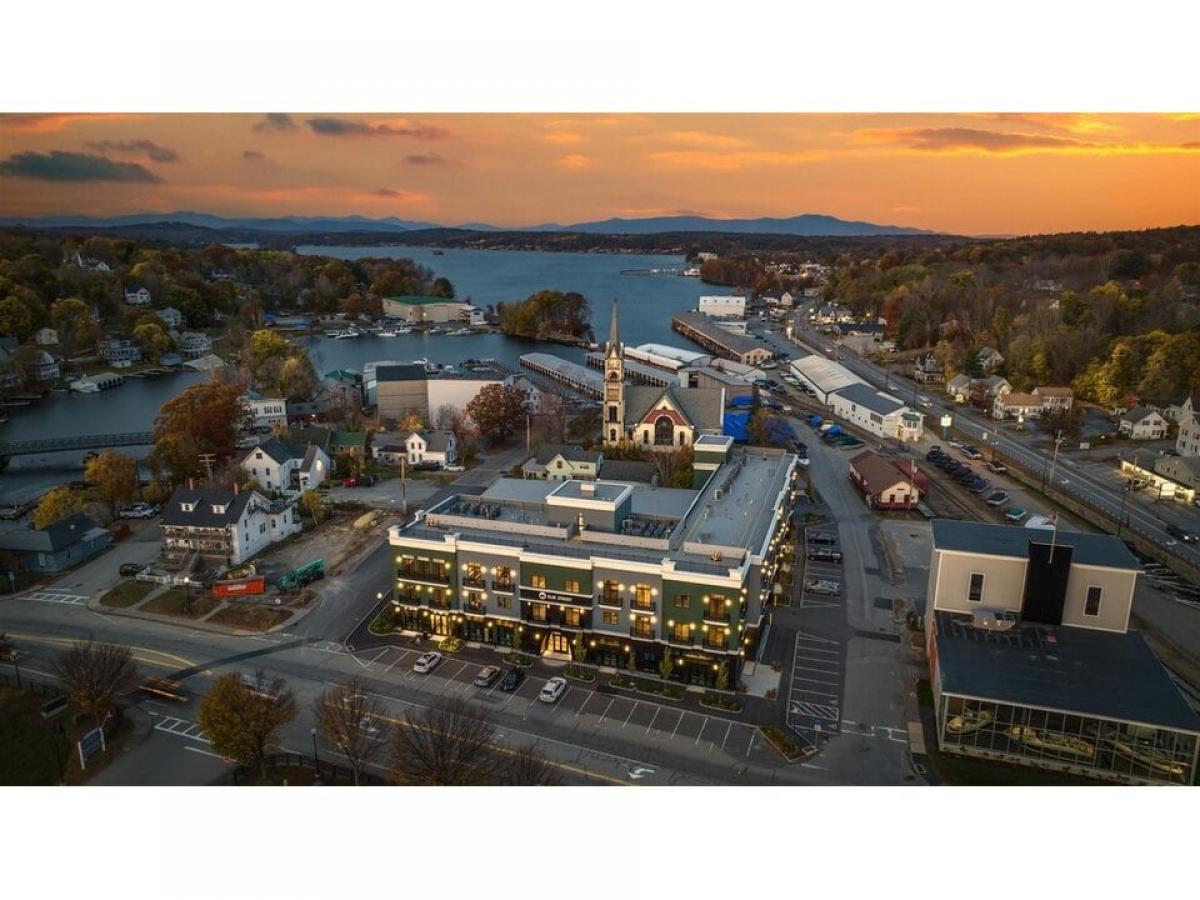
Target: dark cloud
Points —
{"points": [[422, 159], [351, 128], [60, 165], [153, 151], [276, 122], [253, 155], [936, 139], [386, 192]]}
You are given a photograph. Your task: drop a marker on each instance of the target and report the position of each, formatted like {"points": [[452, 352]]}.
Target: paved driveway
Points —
{"points": [[143, 546]]}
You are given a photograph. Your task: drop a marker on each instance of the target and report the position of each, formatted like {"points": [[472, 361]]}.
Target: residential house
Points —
{"points": [[137, 297], [227, 527], [120, 352], [886, 483], [959, 388], [438, 447], [927, 368], [637, 470], [10, 372], [389, 448], [876, 412], [1144, 424], [56, 547], [1188, 441], [1183, 470], [562, 462], [193, 344], [1014, 405], [95, 265], [38, 365], [280, 464], [354, 442], [170, 316], [268, 412], [989, 359], [1032, 662], [1048, 285], [1055, 399], [45, 337]]}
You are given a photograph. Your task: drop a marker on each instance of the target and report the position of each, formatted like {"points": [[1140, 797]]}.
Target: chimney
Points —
{"points": [[191, 484]]}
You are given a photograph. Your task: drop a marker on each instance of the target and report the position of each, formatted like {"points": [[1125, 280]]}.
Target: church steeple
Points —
{"points": [[614, 338], [614, 386]]}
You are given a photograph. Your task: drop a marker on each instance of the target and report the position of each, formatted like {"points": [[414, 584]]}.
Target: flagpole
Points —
{"points": [[1053, 537]]}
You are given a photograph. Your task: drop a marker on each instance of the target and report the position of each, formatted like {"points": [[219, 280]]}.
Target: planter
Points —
{"points": [[580, 674], [784, 745], [721, 704], [654, 689], [452, 645], [519, 660]]}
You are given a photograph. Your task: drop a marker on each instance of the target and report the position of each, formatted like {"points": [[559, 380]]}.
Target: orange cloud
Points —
{"points": [[563, 137], [45, 123], [727, 162], [575, 161], [978, 140], [702, 138]]}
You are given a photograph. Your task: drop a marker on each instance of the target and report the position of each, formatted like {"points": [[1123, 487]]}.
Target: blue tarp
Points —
{"points": [[735, 425], [741, 401], [780, 431], [833, 430], [815, 420]]}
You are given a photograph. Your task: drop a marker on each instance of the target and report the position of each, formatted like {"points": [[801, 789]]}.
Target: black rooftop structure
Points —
{"points": [[1005, 540]]}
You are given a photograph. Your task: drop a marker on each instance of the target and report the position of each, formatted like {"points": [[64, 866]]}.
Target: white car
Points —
{"points": [[138, 511], [427, 662], [553, 689]]}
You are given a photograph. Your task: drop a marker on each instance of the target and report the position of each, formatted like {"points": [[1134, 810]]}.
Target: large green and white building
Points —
{"points": [[619, 573]]}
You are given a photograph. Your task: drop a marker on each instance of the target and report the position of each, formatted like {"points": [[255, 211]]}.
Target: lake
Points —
{"points": [[483, 277]]}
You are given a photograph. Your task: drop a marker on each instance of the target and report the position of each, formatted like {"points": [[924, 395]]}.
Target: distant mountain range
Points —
{"points": [[803, 225]]}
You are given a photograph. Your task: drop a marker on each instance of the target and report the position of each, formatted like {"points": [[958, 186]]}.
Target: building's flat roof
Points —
{"points": [[604, 491], [564, 367], [732, 341], [748, 485], [824, 374], [866, 396], [418, 300], [1009, 540], [1076, 670], [662, 502], [518, 490], [676, 353]]}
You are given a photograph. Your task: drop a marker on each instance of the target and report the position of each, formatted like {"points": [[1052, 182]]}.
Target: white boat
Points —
{"points": [[459, 332], [386, 334], [434, 330], [404, 330]]}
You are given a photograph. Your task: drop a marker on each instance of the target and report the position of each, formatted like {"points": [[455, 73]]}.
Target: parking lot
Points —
{"points": [[821, 579], [620, 715], [814, 694]]}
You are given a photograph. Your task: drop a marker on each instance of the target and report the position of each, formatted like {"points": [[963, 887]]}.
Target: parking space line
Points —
{"points": [[804, 678], [676, 728], [653, 720], [611, 701], [811, 669], [404, 654], [590, 695], [702, 727], [753, 735], [632, 708], [727, 730]]}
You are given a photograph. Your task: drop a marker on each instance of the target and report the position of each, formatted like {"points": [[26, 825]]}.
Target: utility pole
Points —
{"points": [[1125, 492], [207, 460], [403, 487], [1053, 461]]}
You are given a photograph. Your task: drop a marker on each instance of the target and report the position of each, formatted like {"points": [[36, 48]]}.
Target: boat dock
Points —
{"points": [[578, 378], [636, 372]]}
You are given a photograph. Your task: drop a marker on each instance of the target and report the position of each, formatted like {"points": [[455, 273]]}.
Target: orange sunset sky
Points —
{"points": [[968, 174]]}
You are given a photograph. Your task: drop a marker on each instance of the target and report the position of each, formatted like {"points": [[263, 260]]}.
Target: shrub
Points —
{"points": [[452, 645]]}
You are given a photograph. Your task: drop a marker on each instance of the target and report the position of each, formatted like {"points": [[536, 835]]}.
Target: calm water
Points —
{"points": [[484, 277]]}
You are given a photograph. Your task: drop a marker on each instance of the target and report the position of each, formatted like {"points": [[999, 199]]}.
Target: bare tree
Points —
{"points": [[94, 675], [443, 418], [527, 768], [353, 722], [244, 718], [448, 743]]}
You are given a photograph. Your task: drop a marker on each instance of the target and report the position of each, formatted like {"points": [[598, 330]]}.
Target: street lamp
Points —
{"points": [[316, 762]]}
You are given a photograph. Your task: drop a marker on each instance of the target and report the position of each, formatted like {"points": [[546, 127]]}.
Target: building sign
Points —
{"points": [[89, 745], [541, 595]]}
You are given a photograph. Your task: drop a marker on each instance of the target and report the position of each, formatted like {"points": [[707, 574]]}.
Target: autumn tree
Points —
{"points": [[244, 722], [273, 364], [95, 675], [153, 340], [15, 319], [115, 477], [525, 767], [352, 720], [204, 419], [311, 503], [448, 743], [56, 505], [75, 324], [498, 409]]}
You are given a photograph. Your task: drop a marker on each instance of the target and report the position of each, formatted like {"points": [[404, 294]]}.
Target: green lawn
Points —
{"points": [[127, 593], [173, 602], [26, 742]]}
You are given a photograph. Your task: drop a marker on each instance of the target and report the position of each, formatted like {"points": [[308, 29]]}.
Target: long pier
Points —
{"points": [[573, 375], [76, 442]]}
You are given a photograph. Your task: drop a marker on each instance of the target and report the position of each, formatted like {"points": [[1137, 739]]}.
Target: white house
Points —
{"points": [[45, 337], [193, 344], [1143, 424], [721, 307], [224, 526], [170, 316], [280, 464], [439, 447], [1188, 441], [990, 359], [1016, 405], [139, 297], [1055, 399], [267, 411], [876, 412], [563, 462]]}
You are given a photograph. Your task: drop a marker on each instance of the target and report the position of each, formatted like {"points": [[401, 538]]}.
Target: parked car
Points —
{"points": [[979, 485], [350, 482], [933, 455], [997, 467], [825, 554], [511, 679], [971, 452], [128, 569], [998, 498], [823, 538], [487, 676], [426, 663], [138, 511], [1016, 514], [553, 689], [456, 468], [1182, 534]]}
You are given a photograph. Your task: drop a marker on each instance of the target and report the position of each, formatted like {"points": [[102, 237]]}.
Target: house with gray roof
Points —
{"points": [[1144, 423], [56, 547], [281, 464], [876, 412], [560, 462], [417, 448], [227, 527]]}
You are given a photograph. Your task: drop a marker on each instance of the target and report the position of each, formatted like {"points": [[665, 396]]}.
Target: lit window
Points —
{"points": [[610, 617], [571, 586], [538, 581]]}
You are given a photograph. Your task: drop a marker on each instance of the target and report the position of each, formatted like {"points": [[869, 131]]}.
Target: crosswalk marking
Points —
{"points": [[50, 595], [180, 728]]}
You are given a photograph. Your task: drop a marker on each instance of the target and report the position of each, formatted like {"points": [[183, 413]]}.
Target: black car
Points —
{"points": [[131, 568], [823, 538], [933, 455], [979, 485], [511, 679], [825, 554], [1186, 536], [967, 476]]}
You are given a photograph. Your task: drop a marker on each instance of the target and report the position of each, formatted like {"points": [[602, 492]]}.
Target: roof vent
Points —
{"points": [[587, 488], [993, 619]]}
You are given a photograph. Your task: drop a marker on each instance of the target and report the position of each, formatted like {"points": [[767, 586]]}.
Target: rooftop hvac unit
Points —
{"points": [[718, 493], [993, 619]]}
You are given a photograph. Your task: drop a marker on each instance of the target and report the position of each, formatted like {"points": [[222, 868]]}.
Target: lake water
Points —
{"points": [[483, 277]]}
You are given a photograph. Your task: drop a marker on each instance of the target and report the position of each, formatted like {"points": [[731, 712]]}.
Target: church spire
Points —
{"points": [[614, 340]]}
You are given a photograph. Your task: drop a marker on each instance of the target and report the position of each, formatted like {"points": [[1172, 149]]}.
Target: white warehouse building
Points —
{"points": [[876, 412], [823, 375], [723, 307]]}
